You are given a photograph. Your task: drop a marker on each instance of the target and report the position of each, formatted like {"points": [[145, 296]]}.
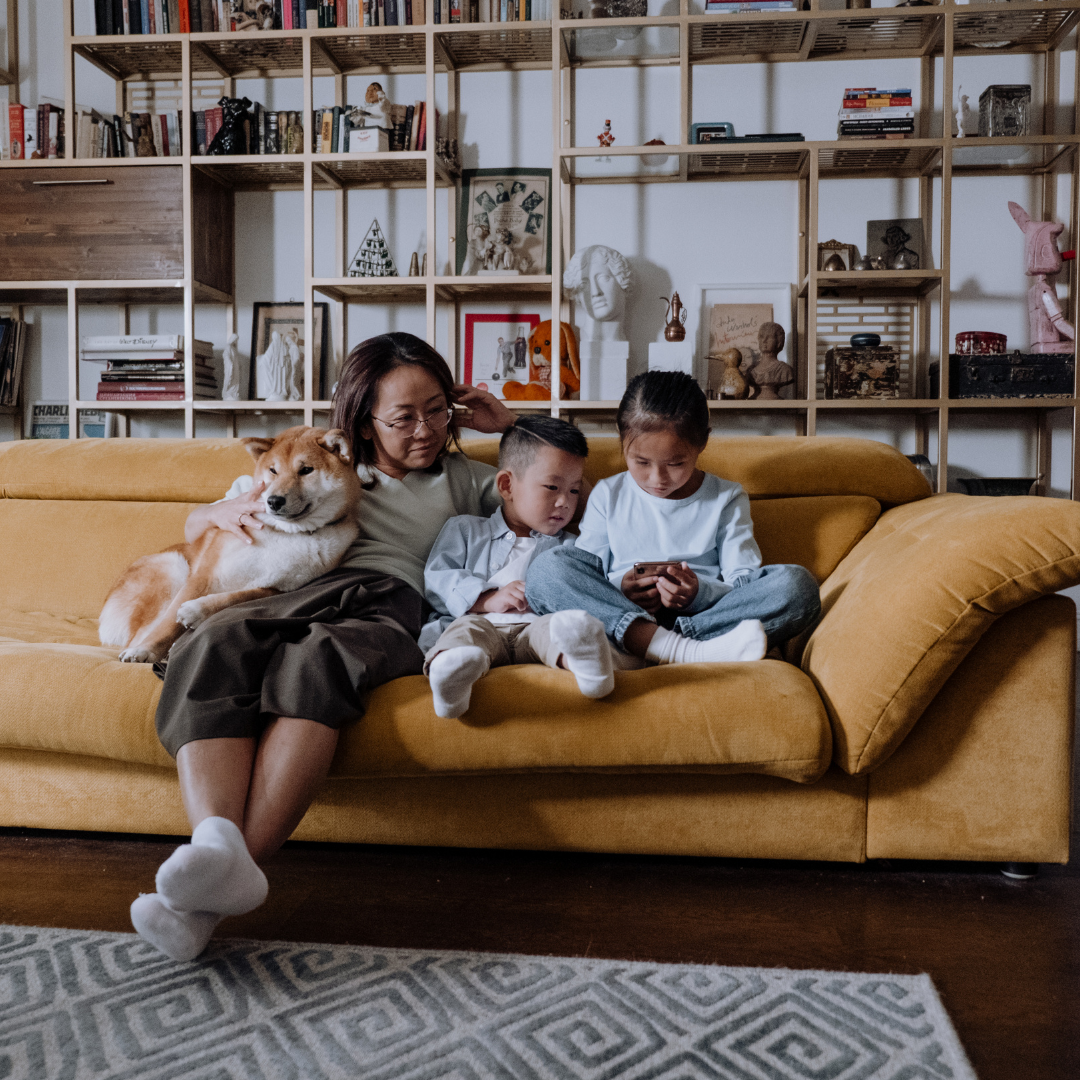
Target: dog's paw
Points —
{"points": [[191, 613], [139, 655]]}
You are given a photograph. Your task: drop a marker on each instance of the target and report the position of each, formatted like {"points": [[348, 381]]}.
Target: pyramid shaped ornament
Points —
{"points": [[373, 258]]}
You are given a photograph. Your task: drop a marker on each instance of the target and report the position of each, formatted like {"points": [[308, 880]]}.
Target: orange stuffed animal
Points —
{"points": [[538, 388]]}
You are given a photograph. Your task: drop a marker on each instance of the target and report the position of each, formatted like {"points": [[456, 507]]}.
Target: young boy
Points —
{"points": [[475, 575]]}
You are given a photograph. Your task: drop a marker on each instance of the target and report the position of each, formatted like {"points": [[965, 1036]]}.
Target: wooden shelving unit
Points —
{"points": [[685, 41]]}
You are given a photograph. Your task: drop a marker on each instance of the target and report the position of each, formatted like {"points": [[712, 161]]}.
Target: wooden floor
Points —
{"points": [[1005, 956]]}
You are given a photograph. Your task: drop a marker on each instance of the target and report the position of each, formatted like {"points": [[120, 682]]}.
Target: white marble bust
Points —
{"points": [[600, 278]]}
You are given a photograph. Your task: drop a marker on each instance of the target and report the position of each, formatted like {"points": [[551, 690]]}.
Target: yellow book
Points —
{"points": [[327, 131]]}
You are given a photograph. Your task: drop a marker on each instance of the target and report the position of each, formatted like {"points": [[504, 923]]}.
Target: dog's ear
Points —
{"points": [[257, 447], [336, 442]]}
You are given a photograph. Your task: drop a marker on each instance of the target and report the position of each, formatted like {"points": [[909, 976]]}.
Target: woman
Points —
{"points": [[254, 699]]}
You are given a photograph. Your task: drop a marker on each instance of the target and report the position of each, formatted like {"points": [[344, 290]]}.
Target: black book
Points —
{"points": [[195, 16], [117, 16], [135, 18], [102, 17]]}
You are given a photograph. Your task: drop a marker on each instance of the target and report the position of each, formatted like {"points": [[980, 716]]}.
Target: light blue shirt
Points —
{"points": [[710, 530], [468, 551]]}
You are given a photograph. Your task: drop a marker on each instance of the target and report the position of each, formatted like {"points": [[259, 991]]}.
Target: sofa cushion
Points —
{"points": [[760, 718], [909, 603]]}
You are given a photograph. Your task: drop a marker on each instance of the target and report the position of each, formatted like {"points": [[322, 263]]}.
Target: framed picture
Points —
{"points": [[504, 222], [285, 318], [833, 249], [717, 131], [496, 351], [729, 317], [897, 241]]}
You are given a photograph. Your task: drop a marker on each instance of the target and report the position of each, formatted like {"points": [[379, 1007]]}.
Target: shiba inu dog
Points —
{"points": [[311, 498]]}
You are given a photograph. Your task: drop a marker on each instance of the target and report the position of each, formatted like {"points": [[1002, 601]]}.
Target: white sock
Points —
{"points": [[746, 642], [452, 674], [215, 872], [180, 935], [584, 645]]}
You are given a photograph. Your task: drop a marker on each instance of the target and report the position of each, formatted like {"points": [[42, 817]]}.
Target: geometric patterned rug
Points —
{"points": [[77, 1004]]}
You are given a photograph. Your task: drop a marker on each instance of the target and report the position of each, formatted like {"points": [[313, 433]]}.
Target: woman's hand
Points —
{"points": [[233, 515], [483, 411], [678, 587], [642, 590], [509, 598]]}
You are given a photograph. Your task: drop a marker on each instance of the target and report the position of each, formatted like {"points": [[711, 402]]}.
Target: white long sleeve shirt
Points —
{"points": [[710, 530]]}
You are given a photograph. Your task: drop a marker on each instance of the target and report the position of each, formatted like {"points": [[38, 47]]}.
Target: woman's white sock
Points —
{"points": [[746, 642], [584, 645], [452, 674], [180, 935], [215, 872]]}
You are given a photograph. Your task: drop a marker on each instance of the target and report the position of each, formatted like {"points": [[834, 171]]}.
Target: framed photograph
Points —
{"points": [[833, 249], [504, 222], [496, 351], [730, 316], [286, 317], [897, 241], [717, 131]]}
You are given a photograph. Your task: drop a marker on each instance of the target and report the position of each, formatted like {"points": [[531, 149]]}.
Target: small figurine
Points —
{"points": [[961, 110], [230, 136], [295, 379], [480, 246], [376, 108], [605, 138], [230, 373], [502, 252], [272, 371], [414, 265], [833, 262], [538, 388], [1050, 331], [675, 313], [771, 373], [733, 384]]}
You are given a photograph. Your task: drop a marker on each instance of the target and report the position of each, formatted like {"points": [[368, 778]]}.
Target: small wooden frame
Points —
{"points": [[829, 248]]}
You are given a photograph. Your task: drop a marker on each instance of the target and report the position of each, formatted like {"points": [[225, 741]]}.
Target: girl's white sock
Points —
{"points": [[584, 645], [180, 935], [214, 873], [452, 674], [746, 642]]}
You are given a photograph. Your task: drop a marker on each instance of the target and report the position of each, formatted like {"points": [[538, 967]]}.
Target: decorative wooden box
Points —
{"points": [[1009, 375], [870, 372]]}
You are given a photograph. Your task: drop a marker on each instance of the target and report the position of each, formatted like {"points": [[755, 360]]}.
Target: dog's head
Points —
{"points": [[310, 478]]}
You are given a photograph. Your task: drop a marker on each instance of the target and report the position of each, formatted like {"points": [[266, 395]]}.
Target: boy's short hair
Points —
{"points": [[520, 443]]}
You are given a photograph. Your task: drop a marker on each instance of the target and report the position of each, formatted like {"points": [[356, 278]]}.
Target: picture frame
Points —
{"points": [[847, 252], [267, 316], [504, 222], [890, 237], [495, 350], [712, 131], [743, 309]]}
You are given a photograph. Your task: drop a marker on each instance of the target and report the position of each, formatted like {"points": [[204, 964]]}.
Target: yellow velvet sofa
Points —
{"points": [[928, 716]]}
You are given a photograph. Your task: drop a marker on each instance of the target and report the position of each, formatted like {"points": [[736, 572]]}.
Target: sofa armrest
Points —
{"points": [[910, 601]]}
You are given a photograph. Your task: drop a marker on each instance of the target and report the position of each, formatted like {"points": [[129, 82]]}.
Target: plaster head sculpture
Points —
{"points": [[1050, 331], [770, 373], [601, 279], [230, 373]]}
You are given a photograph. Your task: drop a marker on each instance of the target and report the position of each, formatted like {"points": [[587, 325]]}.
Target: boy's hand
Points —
{"points": [[509, 598], [678, 589], [642, 590]]}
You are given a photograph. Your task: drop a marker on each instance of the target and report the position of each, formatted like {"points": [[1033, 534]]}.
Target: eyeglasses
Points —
{"points": [[410, 426]]}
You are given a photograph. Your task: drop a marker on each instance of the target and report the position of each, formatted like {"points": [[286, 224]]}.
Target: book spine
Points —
{"points": [[195, 15], [336, 144], [327, 131], [342, 13], [875, 103], [94, 342], [206, 15], [101, 20], [152, 7], [29, 126], [421, 138], [185, 16], [140, 395], [16, 133]]}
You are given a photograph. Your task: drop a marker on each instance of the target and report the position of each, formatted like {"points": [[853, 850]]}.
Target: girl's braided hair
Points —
{"points": [[664, 401]]}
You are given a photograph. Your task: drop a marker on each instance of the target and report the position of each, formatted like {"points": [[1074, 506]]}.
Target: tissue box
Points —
{"points": [[368, 140]]}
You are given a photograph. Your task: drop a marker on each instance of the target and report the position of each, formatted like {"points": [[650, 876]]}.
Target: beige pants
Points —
{"points": [[517, 643]]}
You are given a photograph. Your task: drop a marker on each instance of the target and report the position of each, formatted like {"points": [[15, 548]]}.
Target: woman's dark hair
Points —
{"points": [[664, 401], [358, 387]]}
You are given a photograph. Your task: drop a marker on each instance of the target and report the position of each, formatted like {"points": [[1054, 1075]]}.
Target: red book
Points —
{"points": [[153, 18], [140, 395], [163, 123], [185, 17], [343, 12], [875, 103], [15, 132], [421, 138]]}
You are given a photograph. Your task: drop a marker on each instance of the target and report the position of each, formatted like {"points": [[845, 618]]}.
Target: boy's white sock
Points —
{"points": [[584, 645], [452, 674], [215, 872], [746, 642], [180, 935]]}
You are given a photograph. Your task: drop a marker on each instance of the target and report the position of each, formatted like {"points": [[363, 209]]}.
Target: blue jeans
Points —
{"points": [[785, 598]]}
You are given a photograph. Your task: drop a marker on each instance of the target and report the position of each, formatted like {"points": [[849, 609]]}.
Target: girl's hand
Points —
{"points": [[642, 591], [237, 515], [509, 598], [678, 589], [483, 411]]}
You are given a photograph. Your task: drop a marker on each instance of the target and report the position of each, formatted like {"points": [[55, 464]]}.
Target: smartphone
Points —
{"points": [[654, 569]]}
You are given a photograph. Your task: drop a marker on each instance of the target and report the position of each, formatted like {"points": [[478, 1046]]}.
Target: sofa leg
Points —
{"points": [[1020, 871]]}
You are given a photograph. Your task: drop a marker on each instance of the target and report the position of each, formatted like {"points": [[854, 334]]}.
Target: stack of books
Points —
{"points": [[132, 135], [333, 128], [265, 132], [29, 132], [160, 16], [718, 6], [149, 367], [12, 345], [868, 113]]}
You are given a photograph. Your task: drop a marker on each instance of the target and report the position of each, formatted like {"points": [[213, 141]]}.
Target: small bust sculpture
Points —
{"points": [[732, 382], [601, 279], [770, 373], [230, 374]]}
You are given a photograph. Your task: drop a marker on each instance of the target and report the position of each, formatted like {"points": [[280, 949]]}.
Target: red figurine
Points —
{"points": [[605, 138]]}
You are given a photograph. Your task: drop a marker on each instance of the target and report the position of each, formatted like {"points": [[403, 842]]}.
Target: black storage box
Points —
{"points": [[1010, 375]]}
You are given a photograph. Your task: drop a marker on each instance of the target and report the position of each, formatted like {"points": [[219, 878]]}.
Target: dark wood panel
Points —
{"points": [[129, 227], [213, 231]]}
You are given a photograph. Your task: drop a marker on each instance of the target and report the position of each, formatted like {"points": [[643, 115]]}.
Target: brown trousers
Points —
{"points": [[518, 643]]}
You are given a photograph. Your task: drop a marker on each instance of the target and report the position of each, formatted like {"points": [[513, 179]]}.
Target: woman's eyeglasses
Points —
{"points": [[410, 426]]}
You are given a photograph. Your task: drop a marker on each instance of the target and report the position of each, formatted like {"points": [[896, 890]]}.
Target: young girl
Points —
{"points": [[713, 600], [255, 697]]}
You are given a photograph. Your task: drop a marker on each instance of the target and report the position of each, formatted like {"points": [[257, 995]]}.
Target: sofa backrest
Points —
{"points": [[73, 515]]}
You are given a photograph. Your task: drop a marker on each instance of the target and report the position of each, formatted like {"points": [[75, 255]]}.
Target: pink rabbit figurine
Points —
{"points": [[1050, 331]]}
